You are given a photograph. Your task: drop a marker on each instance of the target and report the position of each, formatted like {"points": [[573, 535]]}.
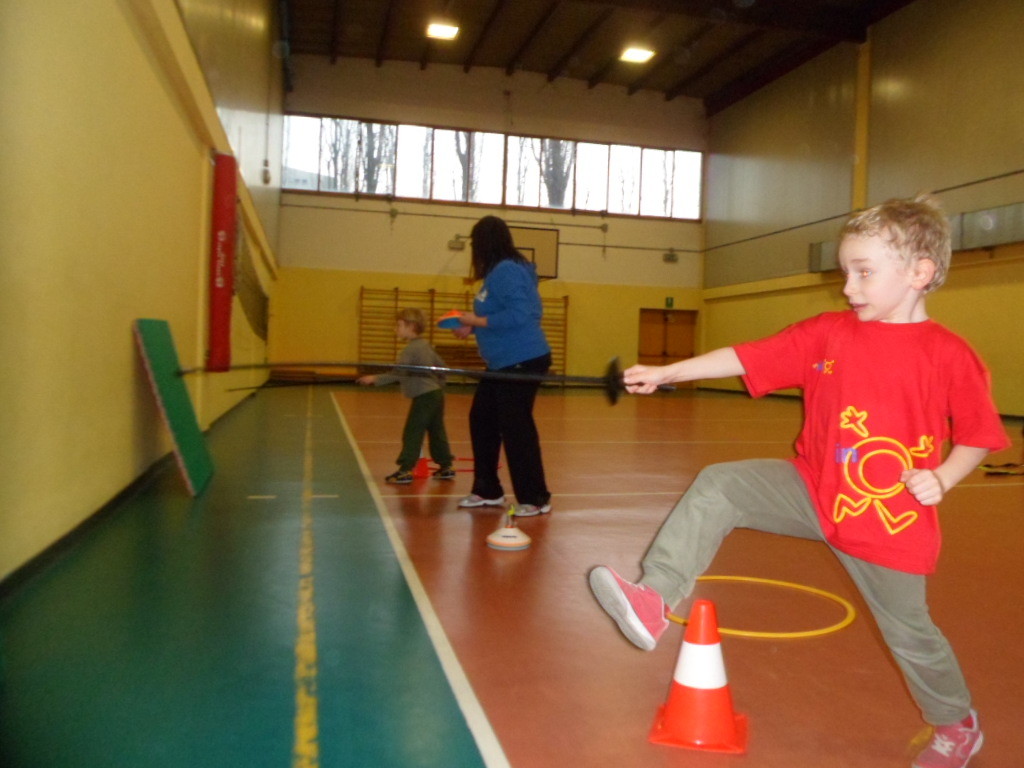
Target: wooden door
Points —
{"points": [[666, 335]]}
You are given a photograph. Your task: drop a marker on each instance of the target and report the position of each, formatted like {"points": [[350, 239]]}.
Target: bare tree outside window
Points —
{"points": [[339, 146], [377, 158], [624, 179], [522, 185], [420, 162], [557, 160], [451, 164], [656, 183]]}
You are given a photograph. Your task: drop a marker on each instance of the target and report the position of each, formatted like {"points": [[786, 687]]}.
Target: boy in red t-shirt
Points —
{"points": [[884, 387]]}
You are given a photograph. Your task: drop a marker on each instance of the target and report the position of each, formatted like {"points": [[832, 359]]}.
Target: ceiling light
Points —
{"points": [[636, 55], [442, 31]]}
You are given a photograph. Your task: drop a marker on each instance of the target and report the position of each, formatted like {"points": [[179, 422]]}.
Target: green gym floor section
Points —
{"points": [[166, 634]]}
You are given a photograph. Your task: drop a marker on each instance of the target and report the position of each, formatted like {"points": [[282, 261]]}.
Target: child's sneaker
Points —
{"points": [[444, 473], [401, 477], [532, 510], [479, 501], [637, 609], [952, 746]]}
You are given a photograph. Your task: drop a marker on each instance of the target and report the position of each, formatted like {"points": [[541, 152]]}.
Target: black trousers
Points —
{"points": [[502, 415]]}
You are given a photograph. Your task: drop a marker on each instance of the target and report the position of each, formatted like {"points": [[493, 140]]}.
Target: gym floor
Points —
{"points": [[301, 612]]}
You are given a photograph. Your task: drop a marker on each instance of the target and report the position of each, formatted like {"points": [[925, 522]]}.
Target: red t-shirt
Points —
{"points": [[878, 398]]}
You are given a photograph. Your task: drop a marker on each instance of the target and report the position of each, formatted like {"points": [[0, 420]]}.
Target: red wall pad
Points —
{"points": [[222, 260]]}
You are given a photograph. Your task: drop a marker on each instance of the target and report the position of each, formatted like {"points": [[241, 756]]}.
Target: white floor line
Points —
{"points": [[486, 740]]}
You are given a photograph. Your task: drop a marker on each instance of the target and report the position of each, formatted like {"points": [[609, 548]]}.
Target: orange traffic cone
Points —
{"points": [[422, 468], [698, 713]]}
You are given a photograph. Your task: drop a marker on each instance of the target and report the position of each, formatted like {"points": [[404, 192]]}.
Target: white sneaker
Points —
{"points": [[479, 501], [531, 510]]}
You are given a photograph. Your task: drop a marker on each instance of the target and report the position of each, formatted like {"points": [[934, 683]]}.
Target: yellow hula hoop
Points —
{"points": [[851, 614]]}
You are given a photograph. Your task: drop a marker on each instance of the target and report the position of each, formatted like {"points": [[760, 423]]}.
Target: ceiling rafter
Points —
{"points": [[385, 33], [514, 61], [744, 85], [484, 32], [335, 31], [806, 17], [577, 46], [583, 39], [745, 41], [670, 58], [598, 76]]}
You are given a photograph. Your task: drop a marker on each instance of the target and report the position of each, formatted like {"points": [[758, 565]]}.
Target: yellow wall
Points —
{"points": [[944, 111], [981, 301], [315, 314], [105, 217]]}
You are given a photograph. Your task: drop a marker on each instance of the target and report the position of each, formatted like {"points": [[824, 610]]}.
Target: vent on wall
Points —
{"points": [[824, 256], [974, 229], [995, 226]]}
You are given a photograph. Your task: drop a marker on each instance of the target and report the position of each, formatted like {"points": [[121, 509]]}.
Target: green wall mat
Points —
{"points": [[157, 348]]}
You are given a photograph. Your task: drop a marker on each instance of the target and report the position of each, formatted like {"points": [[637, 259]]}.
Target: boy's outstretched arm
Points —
{"points": [[928, 486], [717, 364]]}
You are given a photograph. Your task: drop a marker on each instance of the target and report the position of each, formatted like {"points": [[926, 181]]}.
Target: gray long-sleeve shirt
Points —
{"points": [[414, 383]]}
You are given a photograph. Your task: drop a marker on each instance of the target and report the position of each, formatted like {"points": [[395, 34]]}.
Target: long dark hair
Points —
{"points": [[492, 243]]}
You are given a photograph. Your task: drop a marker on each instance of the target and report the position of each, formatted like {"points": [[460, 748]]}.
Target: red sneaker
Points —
{"points": [[637, 609], [952, 746]]}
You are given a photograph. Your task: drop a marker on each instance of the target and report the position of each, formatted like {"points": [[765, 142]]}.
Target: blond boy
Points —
{"points": [[883, 387]]}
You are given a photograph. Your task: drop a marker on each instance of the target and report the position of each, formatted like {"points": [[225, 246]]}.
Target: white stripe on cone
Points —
{"points": [[700, 666]]}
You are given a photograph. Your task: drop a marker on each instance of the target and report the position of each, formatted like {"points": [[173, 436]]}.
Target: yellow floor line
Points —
{"points": [[306, 751]]}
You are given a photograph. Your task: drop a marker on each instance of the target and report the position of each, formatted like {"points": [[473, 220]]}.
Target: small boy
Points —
{"points": [[426, 411], [881, 386]]}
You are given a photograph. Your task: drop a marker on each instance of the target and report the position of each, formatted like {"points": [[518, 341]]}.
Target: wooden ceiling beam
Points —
{"points": [[669, 58], [335, 31], [385, 33], [680, 87], [544, 19], [804, 16], [781, 64], [484, 32], [577, 46]]}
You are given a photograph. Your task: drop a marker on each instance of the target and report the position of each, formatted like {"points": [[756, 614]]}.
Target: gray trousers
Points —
{"points": [[769, 495]]}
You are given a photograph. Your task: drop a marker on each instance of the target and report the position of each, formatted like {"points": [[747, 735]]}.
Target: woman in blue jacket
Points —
{"points": [[506, 321]]}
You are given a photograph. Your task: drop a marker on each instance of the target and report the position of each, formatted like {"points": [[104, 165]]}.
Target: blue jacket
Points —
{"points": [[509, 300]]}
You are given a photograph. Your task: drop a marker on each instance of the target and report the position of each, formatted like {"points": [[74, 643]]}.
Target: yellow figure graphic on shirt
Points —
{"points": [[869, 459]]}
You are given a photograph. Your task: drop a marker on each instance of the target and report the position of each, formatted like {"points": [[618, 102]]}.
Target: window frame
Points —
{"points": [[507, 137]]}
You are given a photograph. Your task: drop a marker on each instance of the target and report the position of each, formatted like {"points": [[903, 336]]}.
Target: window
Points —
{"points": [[339, 153], [415, 149], [336, 155], [592, 176], [487, 168], [624, 179], [450, 169], [377, 158]]}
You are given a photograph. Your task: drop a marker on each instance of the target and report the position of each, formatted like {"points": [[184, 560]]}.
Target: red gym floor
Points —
{"points": [[301, 612], [559, 684]]}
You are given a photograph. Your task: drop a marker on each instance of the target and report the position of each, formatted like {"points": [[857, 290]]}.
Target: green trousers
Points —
{"points": [[426, 416], [769, 495]]}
